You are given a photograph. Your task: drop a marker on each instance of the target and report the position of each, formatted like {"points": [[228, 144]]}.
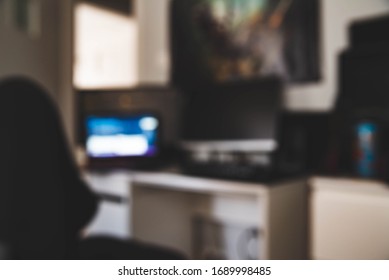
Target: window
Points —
{"points": [[105, 48]]}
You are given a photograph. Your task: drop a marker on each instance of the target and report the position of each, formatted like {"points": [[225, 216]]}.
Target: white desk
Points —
{"points": [[205, 217], [113, 215]]}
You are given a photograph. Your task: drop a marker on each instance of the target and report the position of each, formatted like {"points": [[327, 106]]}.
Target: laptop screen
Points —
{"points": [[122, 136]]}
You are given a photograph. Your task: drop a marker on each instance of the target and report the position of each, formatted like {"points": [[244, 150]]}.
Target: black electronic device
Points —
{"points": [[361, 131], [131, 140], [231, 130], [373, 31], [303, 143], [364, 72], [110, 127], [364, 82]]}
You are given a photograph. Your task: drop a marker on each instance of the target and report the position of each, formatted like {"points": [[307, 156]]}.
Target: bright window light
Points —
{"points": [[105, 48]]}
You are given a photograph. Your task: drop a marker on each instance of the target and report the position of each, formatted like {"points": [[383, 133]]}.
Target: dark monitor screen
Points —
{"points": [[234, 117], [122, 136]]}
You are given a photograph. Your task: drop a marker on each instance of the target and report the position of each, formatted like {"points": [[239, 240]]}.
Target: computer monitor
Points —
{"points": [[239, 117], [121, 137]]}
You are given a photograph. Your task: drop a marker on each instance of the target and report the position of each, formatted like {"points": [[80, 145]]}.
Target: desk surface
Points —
{"points": [[197, 184], [349, 185], [118, 182]]}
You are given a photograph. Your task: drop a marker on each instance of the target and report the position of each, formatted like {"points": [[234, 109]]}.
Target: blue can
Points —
{"points": [[366, 157]]}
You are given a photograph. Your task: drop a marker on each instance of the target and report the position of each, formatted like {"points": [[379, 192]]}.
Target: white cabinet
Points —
{"points": [[349, 219]]}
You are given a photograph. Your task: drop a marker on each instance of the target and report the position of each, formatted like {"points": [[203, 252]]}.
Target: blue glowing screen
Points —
{"points": [[122, 136]]}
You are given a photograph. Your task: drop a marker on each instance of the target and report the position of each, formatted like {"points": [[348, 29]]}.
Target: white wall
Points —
{"points": [[336, 16], [66, 95], [35, 57], [153, 24], [46, 58]]}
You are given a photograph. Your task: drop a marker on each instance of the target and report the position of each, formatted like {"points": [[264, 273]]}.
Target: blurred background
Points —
{"points": [[224, 129]]}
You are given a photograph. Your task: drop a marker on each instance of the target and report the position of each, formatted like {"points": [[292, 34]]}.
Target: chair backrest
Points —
{"points": [[43, 201]]}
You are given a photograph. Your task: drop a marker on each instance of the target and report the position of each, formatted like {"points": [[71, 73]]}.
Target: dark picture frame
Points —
{"points": [[217, 41]]}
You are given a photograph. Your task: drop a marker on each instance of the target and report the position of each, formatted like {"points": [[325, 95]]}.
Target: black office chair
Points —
{"points": [[43, 202]]}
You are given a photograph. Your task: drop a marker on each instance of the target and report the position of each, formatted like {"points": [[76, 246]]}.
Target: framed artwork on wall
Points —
{"points": [[229, 40]]}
